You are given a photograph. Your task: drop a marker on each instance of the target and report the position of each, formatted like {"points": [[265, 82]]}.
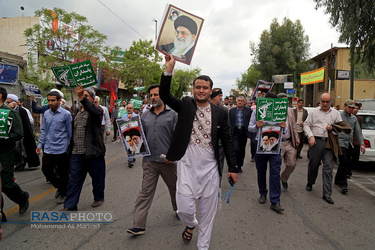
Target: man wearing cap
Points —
{"points": [[87, 151], [239, 118], [318, 123], [346, 144], [8, 156], [55, 135], [185, 32]]}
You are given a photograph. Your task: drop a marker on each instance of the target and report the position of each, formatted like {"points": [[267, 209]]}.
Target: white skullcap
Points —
{"points": [[58, 91], [13, 97]]}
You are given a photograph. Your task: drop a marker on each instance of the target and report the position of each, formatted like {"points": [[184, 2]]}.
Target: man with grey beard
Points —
{"points": [[183, 46], [158, 124]]}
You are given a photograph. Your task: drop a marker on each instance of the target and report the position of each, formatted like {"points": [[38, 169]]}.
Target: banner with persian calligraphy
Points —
{"points": [[71, 76], [272, 109]]}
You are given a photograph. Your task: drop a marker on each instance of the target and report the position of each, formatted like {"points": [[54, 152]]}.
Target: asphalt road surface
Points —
{"points": [[308, 222]]}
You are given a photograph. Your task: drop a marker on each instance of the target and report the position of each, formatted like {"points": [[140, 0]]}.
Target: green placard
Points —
{"points": [[4, 128], [81, 73], [137, 104], [43, 101], [139, 88], [119, 102], [272, 109], [121, 112]]}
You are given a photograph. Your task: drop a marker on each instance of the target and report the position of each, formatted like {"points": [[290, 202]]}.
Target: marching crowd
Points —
{"points": [[188, 140]]}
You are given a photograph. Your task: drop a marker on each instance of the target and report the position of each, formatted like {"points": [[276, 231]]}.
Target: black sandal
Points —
{"points": [[186, 235]]}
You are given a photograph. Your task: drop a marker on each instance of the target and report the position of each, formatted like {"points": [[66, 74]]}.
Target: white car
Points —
{"points": [[368, 131]]}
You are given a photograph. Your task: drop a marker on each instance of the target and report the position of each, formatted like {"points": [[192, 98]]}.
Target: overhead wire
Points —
{"points": [[121, 19]]}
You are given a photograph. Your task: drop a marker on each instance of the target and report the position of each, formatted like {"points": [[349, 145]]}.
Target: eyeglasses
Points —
{"points": [[183, 33], [326, 101]]}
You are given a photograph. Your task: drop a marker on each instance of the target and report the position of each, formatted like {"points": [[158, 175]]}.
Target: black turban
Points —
{"points": [[186, 22]]}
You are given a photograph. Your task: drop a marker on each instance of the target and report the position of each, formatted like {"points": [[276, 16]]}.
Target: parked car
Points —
{"points": [[368, 131]]}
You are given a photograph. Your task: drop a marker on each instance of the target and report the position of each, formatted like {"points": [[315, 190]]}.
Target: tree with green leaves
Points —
{"points": [[355, 21], [182, 79], [283, 49], [60, 38], [249, 78], [141, 65]]}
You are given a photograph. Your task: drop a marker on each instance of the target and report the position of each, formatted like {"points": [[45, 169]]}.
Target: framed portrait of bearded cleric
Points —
{"points": [[270, 137], [133, 137], [178, 34]]}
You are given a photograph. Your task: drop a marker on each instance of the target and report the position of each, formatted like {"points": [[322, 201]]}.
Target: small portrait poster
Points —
{"points": [[269, 139], [133, 137], [261, 89], [31, 89], [272, 109], [179, 33]]}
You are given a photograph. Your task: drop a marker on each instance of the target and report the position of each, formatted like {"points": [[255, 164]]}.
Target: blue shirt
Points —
{"points": [[56, 131], [126, 115], [239, 118], [38, 110]]}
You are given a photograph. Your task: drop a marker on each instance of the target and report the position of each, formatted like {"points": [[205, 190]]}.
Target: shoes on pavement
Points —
{"points": [[68, 210], [130, 164], [24, 205], [328, 200], [277, 207], [113, 140], [61, 200], [57, 194], [299, 157], [308, 187], [252, 160], [344, 189], [19, 168], [262, 199], [136, 231], [97, 203], [240, 170], [285, 184]]}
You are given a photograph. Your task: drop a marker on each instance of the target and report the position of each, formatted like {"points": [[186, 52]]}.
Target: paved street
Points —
{"points": [[308, 222]]}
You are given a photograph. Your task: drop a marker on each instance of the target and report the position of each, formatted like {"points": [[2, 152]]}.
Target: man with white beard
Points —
{"points": [[185, 32]]}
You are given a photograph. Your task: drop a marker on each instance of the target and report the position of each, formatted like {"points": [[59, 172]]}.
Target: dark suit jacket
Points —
{"points": [[304, 114], [168, 47], [186, 108], [93, 134], [246, 119], [28, 139]]}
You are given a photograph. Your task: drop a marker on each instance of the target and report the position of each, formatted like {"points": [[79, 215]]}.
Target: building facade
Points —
{"points": [[361, 85]]}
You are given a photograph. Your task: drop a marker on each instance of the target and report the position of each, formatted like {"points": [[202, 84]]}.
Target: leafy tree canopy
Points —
{"points": [[283, 49], [249, 78], [60, 38], [141, 65], [183, 78], [355, 21]]}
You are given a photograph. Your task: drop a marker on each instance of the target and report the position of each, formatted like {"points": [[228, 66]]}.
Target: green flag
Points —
{"points": [[137, 104], [71, 76]]}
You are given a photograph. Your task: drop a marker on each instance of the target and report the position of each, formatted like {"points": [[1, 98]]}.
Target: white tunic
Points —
{"points": [[197, 171]]}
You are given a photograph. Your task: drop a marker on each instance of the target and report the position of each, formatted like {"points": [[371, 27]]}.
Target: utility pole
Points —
{"points": [[156, 28]]}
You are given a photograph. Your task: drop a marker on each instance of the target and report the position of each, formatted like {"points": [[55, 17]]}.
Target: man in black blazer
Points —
{"points": [[195, 145], [239, 121], [300, 114]]}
